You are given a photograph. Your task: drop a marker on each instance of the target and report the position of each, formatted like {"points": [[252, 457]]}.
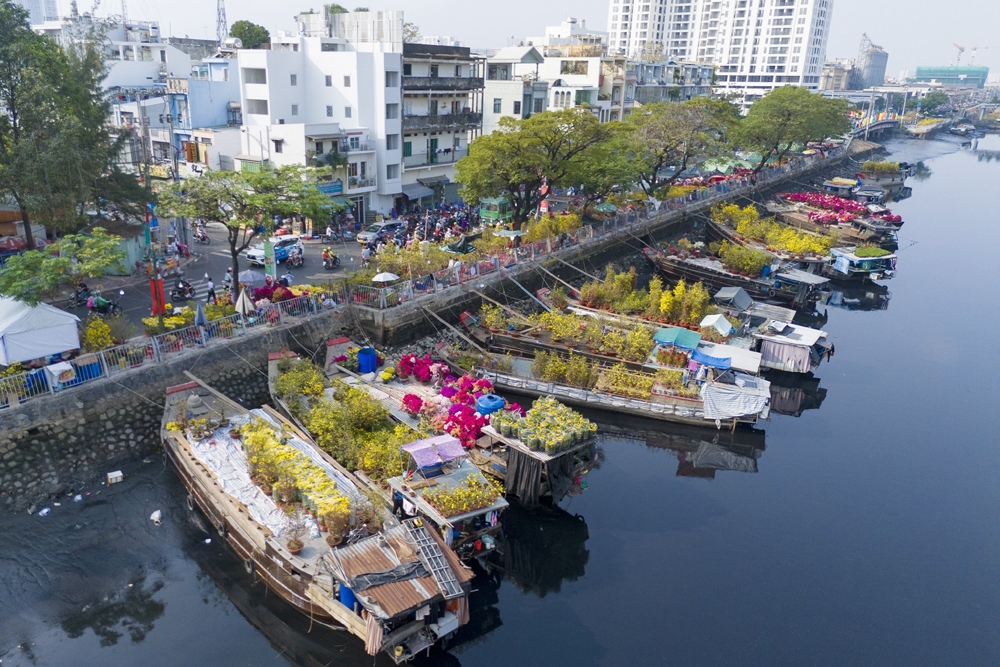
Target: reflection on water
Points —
{"points": [[542, 548], [794, 393], [869, 296], [132, 611]]}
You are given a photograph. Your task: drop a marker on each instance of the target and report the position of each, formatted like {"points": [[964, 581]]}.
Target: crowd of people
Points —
{"points": [[437, 224]]}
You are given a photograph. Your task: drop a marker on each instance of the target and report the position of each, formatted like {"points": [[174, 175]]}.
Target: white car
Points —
{"points": [[282, 246]]}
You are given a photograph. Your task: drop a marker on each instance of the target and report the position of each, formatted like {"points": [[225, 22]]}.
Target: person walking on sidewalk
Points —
{"points": [[210, 297]]}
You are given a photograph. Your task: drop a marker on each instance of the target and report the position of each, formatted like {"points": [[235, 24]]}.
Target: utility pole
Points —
{"points": [[871, 113], [221, 26]]}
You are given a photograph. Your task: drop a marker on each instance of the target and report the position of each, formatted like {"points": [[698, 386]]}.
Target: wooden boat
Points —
{"points": [[662, 405], [855, 232], [808, 263], [786, 286], [345, 586], [460, 532]]}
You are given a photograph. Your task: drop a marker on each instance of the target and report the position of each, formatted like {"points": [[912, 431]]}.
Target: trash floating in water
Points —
{"points": [[44, 511], [115, 476], [77, 498], [156, 517], [208, 540]]}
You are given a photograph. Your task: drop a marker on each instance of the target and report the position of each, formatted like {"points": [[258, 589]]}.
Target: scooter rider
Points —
{"points": [[227, 280]]}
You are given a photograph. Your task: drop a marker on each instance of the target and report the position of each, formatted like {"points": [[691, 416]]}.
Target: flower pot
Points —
{"points": [[334, 540], [294, 546], [515, 334]]}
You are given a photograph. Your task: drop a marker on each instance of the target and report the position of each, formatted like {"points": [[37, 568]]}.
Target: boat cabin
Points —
{"points": [[848, 264], [736, 301], [869, 194], [790, 347], [842, 187]]}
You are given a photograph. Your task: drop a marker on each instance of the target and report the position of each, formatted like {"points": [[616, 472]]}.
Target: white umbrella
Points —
{"points": [[385, 278], [244, 305]]}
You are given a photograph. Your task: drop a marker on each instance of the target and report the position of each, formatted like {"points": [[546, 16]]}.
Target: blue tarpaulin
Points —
{"points": [[715, 362], [685, 339]]}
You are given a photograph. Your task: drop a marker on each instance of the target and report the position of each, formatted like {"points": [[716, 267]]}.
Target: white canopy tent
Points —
{"points": [[29, 332]]}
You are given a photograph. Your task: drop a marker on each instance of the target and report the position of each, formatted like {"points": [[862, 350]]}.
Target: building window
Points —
{"points": [[392, 171], [329, 81], [392, 79], [458, 71], [277, 145], [352, 169], [355, 142], [539, 105], [391, 111], [407, 148], [347, 82], [391, 142], [434, 71], [329, 112], [254, 75], [407, 69], [295, 79], [517, 108], [319, 148], [347, 112], [257, 107], [295, 109], [573, 66], [497, 105]]}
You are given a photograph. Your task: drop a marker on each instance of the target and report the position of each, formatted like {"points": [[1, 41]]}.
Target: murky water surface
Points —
{"points": [[867, 535]]}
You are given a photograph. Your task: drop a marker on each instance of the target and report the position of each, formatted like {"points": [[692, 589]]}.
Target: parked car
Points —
{"points": [[282, 246], [379, 230]]}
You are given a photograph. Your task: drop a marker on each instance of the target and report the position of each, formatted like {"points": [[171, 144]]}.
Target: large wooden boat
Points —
{"points": [[346, 586], [663, 405], [857, 231], [788, 285]]}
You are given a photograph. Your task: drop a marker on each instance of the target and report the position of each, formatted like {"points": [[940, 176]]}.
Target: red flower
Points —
{"points": [[412, 403]]}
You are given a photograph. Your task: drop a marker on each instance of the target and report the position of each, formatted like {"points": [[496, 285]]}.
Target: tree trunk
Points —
{"points": [[234, 256], [28, 237]]}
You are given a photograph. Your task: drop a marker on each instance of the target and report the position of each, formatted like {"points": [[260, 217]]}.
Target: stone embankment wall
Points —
{"points": [[58, 444]]}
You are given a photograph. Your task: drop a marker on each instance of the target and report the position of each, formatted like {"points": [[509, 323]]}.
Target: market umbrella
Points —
{"points": [[244, 305], [199, 316], [606, 207], [252, 278], [385, 277]]}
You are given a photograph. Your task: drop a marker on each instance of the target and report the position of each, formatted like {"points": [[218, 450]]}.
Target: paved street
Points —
{"points": [[213, 259]]}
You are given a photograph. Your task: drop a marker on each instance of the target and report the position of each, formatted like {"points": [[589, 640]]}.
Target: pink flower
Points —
{"points": [[412, 403]]}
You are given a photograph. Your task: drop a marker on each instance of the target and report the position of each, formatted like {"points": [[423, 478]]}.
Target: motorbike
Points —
{"points": [[201, 236], [107, 308], [78, 298], [182, 293], [330, 262], [330, 238], [294, 260]]}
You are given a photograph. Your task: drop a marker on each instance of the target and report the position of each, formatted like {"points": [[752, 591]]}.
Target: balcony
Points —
{"points": [[441, 122], [460, 83], [418, 160], [356, 147], [355, 183]]}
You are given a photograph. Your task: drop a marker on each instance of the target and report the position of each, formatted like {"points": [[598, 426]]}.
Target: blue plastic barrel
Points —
{"points": [[347, 597], [367, 360], [488, 404]]}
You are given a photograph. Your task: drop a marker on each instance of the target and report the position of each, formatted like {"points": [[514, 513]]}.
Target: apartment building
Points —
{"points": [[442, 112], [669, 81], [335, 87], [755, 45], [512, 87]]}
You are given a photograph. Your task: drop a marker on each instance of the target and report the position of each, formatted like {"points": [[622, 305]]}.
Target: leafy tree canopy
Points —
{"points": [[247, 202], [522, 157], [251, 34], [786, 116], [39, 273], [411, 32], [933, 100]]}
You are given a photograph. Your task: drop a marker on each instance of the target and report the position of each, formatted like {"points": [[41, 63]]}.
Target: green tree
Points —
{"points": [[411, 33], [786, 116], [676, 134], [56, 154], [607, 165], [523, 156], [933, 100], [336, 9], [251, 34], [247, 202], [35, 274]]}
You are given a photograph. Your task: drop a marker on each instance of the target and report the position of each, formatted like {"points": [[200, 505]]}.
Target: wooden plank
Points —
{"points": [[508, 309], [525, 290], [459, 333], [572, 290], [589, 275]]}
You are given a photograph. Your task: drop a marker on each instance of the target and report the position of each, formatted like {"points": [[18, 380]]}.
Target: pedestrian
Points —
{"points": [[210, 297]]}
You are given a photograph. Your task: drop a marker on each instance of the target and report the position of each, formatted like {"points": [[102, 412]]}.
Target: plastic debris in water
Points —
{"points": [[77, 498], [44, 511], [208, 540], [156, 517]]}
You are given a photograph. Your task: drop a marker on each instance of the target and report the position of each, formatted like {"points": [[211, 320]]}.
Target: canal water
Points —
{"points": [[861, 532]]}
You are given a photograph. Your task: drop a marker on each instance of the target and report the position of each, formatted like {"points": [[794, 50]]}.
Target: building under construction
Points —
{"points": [[869, 68]]}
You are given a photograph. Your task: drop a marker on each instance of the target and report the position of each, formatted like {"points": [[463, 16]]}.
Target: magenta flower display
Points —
{"points": [[412, 404]]}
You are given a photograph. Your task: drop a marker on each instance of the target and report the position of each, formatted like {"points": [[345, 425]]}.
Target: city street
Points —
{"points": [[214, 259]]}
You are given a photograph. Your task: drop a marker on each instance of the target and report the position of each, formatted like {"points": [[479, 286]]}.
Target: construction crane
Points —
{"points": [[972, 58], [961, 50]]}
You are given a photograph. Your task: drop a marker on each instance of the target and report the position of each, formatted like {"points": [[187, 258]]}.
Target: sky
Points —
{"points": [[913, 32]]}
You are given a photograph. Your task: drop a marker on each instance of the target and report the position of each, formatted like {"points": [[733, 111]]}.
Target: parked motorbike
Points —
{"points": [[201, 236], [107, 307]]}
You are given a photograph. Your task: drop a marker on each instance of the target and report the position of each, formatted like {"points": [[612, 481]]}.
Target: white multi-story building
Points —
{"points": [[335, 87], [755, 45], [512, 86], [40, 11]]}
